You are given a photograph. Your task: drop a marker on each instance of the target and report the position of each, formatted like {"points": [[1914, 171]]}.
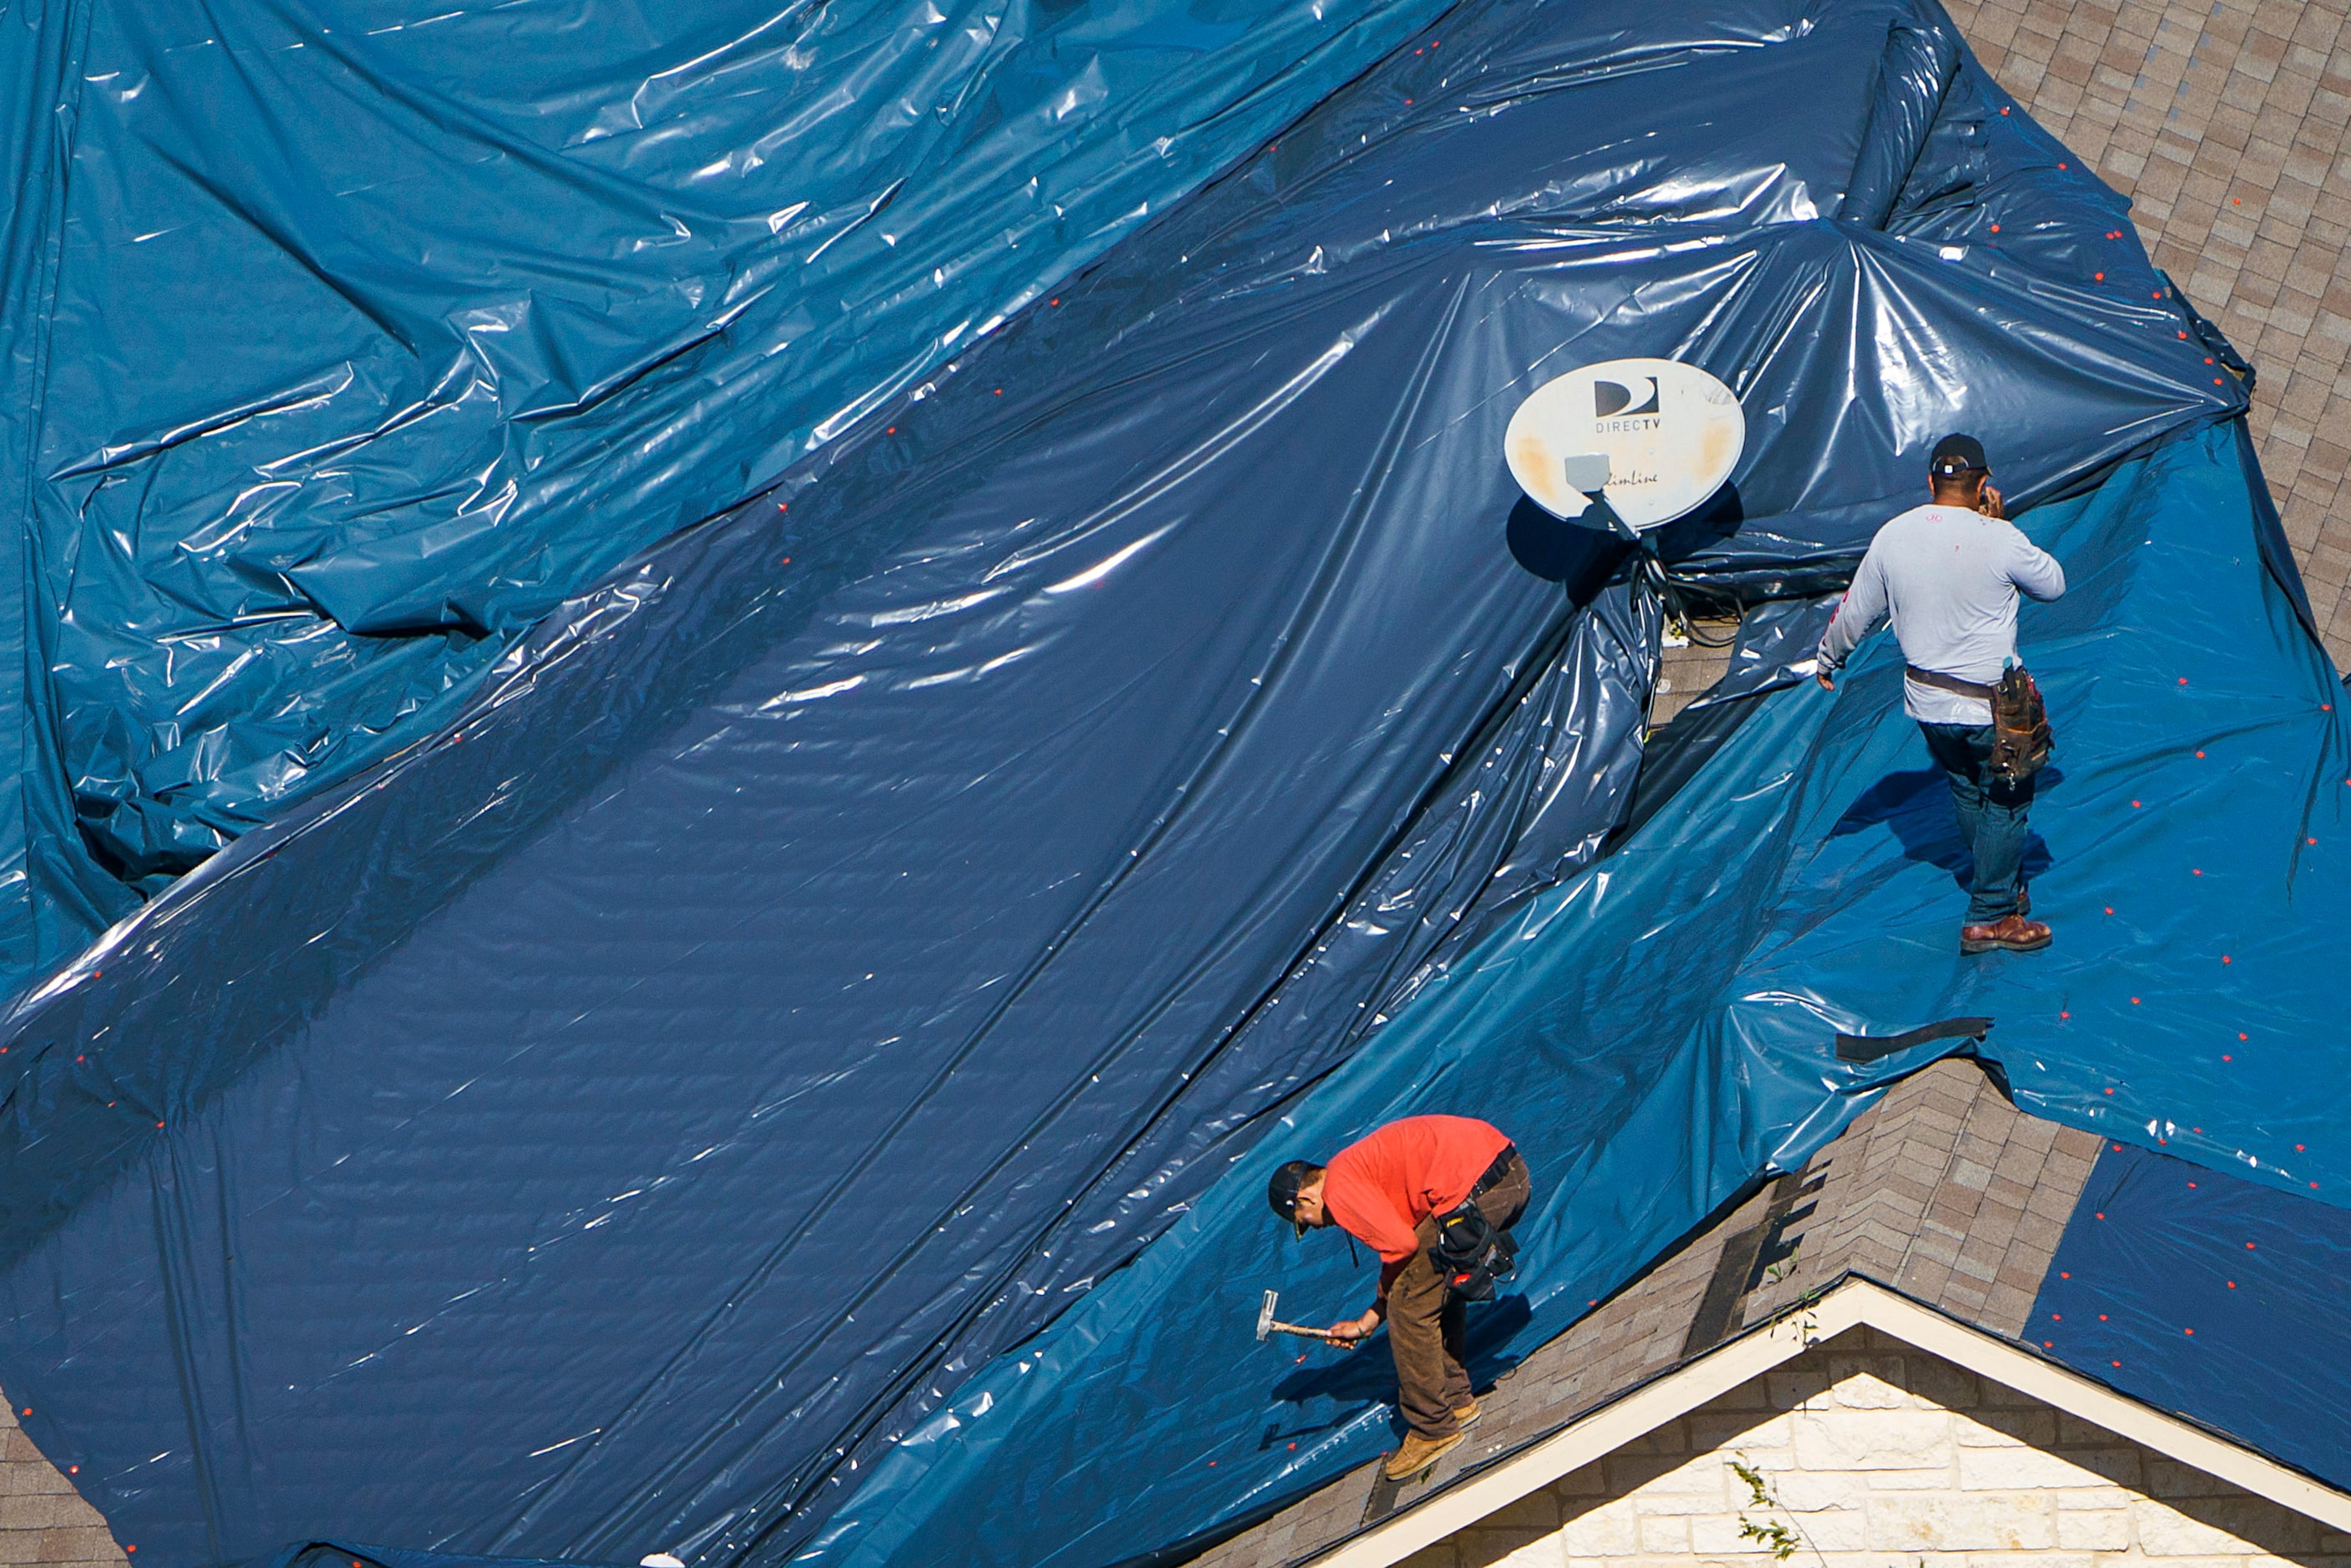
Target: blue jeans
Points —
{"points": [[1992, 817]]}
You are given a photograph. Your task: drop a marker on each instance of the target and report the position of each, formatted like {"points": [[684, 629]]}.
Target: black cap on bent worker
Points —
{"points": [[1956, 455], [1436, 1197], [1282, 1192]]}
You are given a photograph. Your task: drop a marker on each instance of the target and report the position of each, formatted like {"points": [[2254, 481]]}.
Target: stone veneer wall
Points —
{"points": [[1886, 1457]]}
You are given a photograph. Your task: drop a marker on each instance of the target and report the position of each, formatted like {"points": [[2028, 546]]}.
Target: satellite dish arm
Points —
{"points": [[1597, 510], [1586, 474]]}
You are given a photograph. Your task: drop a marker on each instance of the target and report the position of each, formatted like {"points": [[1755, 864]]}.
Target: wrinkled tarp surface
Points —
{"points": [[2220, 1298], [343, 341], [824, 952], [1664, 1027]]}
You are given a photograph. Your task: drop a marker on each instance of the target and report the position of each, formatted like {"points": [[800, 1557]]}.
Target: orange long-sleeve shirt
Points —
{"points": [[1379, 1189]]}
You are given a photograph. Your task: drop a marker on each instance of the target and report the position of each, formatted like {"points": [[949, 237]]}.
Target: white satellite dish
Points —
{"points": [[1659, 435]]}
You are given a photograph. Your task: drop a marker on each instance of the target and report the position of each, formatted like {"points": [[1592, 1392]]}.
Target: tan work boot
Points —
{"points": [[1416, 1453], [2010, 933], [1468, 1414]]}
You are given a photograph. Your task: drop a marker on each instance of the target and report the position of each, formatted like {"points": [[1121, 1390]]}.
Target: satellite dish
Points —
{"points": [[1654, 438]]}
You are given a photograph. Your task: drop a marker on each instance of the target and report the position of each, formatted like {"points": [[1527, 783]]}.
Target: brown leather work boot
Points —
{"points": [[1416, 1453], [1468, 1414], [2011, 933]]}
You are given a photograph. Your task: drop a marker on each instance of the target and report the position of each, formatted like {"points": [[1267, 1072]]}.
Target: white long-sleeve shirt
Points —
{"points": [[1948, 579]]}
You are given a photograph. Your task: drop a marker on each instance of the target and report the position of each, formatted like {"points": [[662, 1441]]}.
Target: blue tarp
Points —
{"points": [[2202, 1292], [344, 341], [827, 955]]}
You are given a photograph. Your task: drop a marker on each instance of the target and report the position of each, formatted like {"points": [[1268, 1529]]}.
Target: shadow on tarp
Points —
{"points": [[1492, 1335], [1661, 1029], [1916, 805]]}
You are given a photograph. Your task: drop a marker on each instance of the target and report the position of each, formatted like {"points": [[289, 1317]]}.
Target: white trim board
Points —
{"points": [[1854, 1303]]}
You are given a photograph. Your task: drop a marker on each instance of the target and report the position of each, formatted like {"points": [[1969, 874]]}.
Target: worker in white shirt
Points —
{"points": [[1949, 574]]}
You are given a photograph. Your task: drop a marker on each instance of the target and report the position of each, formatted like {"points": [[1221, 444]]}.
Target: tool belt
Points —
{"points": [[2021, 738], [1471, 1254], [1942, 682]]}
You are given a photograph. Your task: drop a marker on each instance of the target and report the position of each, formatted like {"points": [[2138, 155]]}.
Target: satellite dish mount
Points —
{"points": [[1587, 474]]}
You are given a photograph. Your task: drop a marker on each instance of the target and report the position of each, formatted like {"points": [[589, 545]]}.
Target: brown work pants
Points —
{"points": [[1426, 1321]]}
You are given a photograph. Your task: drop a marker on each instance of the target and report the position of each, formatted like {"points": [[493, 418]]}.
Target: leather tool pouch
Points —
{"points": [[1471, 1254], [2020, 728]]}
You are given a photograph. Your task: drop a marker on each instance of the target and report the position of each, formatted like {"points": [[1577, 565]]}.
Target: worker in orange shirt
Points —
{"points": [[1436, 1197]]}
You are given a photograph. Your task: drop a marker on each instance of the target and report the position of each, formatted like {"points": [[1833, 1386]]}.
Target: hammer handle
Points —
{"points": [[1321, 1333]]}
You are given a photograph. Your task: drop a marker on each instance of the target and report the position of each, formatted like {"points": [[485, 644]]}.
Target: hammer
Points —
{"points": [[1267, 1324]]}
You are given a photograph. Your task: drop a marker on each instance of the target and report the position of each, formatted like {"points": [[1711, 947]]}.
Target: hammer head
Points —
{"points": [[1264, 1315]]}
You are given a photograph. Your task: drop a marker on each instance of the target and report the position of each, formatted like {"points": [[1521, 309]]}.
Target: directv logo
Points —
{"points": [[1618, 406], [1610, 397]]}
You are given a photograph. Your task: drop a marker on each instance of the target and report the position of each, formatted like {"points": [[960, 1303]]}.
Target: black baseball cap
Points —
{"points": [[1957, 455], [1282, 1192]]}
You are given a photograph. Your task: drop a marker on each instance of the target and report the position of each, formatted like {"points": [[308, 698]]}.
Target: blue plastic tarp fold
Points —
{"points": [[345, 341]]}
